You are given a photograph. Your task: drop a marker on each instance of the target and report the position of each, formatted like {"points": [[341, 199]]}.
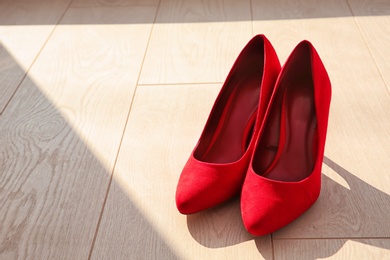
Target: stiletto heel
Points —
{"points": [[284, 175], [216, 168]]}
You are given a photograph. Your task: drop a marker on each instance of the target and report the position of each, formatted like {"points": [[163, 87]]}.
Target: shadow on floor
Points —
{"points": [[344, 214], [53, 188]]}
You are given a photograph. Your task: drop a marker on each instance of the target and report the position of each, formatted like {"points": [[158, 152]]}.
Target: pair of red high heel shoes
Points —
{"points": [[265, 138]]}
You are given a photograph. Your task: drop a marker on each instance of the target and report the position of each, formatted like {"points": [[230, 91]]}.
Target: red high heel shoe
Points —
{"points": [[217, 166], [284, 175]]}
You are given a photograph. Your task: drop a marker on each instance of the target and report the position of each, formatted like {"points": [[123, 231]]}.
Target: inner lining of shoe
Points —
{"points": [[285, 151], [230, 125]]}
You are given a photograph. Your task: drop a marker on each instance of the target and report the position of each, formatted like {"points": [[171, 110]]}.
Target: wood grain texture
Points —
{"points": [[355, 195], [370, 249], [61, 133], [196, 41], [373, 18], [87, 3], [163, 127], [24, 28], [48, 176], [11, 74]]}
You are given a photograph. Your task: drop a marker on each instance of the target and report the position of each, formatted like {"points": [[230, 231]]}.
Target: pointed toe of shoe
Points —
{"points": [[268, 205], [185, 202], [264, 215], [217, 166], [193, 191], [203, 185]]}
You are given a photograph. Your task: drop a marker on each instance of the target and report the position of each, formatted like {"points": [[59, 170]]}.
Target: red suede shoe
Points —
{"points": [[217, 166], [284, 175]]}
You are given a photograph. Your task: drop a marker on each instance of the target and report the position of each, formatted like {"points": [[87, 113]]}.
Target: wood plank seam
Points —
{"points": [[120, 143], [36, 57], [368, 47]]}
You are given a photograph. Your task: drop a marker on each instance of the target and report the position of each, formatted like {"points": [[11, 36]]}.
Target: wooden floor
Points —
{"points": [[102, 102]]}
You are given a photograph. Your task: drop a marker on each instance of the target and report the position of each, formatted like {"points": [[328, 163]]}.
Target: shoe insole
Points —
{"points": [[236, 122], [294, 159]]}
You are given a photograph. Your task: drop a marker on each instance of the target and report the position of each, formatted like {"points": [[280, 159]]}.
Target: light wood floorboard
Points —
{"points": [[305, 249], [24, 29], [373, 18], [196, 41], [103, 101], [62, 130], [90, 3]]}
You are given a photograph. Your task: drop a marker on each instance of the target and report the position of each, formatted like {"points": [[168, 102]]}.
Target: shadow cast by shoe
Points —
{"points": [[357, 213], [351, 211]]}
